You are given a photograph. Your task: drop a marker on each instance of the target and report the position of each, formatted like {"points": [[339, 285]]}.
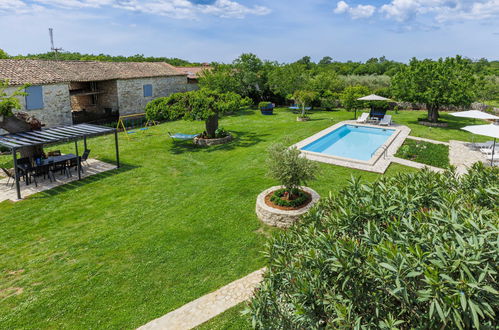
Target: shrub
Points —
{"points": [[278, 198], [265, 105], [425, 152], [417, 250], [166, 108], [329, 100], [289, 168]]}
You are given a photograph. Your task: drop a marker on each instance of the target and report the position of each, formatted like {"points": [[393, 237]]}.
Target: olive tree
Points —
{"points": [[288, 167], [304, 98], [208, 105], [445, 82]]}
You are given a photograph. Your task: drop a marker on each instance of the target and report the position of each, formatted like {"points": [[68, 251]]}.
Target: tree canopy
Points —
{"points": [[446, 82]]}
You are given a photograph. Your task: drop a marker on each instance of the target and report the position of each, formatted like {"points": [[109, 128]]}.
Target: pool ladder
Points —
{"points": [[385, 149]]}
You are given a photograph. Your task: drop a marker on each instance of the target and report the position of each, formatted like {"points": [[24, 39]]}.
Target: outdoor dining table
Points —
{"points": [[52, 160]]}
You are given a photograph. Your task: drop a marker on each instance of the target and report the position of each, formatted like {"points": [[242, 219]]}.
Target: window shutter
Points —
{"points": [[147, 90], [34, 99]]}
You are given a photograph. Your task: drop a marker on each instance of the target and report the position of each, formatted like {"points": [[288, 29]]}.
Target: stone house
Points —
{"points": [[63, 92]]}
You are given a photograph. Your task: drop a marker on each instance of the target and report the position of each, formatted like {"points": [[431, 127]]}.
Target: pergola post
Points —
{"points": [[78, 164], [117, 148], [493, 152], [84, 143], [16, 173]]}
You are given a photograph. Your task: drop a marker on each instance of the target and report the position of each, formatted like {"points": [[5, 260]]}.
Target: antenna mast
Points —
{"points": [[52, 47]]}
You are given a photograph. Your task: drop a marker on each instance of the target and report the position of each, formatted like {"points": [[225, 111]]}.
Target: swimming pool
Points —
{"points": [[351, 141]]}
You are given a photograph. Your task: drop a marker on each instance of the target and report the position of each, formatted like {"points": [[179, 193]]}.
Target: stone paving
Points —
{"points": [[208, 306], [427, 140], [410, 163], [462, 155], [8, 192]]}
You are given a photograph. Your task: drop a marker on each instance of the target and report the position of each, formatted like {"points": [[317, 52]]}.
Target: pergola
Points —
{"points": [[52, 135]]}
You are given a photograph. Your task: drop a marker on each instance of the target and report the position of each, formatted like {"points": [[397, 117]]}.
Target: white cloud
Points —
{"points": [[12, 5], [359, 11], [404, 11], [171, 8]]}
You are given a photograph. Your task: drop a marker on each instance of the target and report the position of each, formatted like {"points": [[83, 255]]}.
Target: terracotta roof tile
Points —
{"points": [[20, 72], [193, 72]]}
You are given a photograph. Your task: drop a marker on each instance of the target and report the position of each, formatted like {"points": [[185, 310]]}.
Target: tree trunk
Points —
{"points": [[211, 125], [14, 124], [433, 114], [303, 110]]}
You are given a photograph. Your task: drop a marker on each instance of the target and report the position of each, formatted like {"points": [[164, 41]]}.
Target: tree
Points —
{"points": [[3, 54], [248, 69], [209, 106], [304, 98], [350, 95], [286, 79], [326, 60], [288, 167], [439, 83], [220, 78]]}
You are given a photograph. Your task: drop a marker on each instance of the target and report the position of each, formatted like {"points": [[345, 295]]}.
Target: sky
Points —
{"points": [[280, 30]]}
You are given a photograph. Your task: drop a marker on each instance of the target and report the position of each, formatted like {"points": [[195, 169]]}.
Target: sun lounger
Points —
{"points": [[180, 136], [386, 121], [487, 144], [363, 117], [488, 150]]}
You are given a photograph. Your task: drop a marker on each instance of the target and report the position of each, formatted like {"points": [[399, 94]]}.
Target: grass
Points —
{"points": [[425, 152], [231, 319], [176, 222]]}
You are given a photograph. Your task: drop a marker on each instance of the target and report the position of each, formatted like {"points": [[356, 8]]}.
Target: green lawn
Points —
{"points": [[176, 222]]}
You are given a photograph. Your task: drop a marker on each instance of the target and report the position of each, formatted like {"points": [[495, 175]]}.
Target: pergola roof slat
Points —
{"points": [[32, 137], [52, 135]]}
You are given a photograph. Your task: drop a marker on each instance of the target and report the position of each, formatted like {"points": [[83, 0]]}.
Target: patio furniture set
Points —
{"points": [[376, 119], [32, 168]]}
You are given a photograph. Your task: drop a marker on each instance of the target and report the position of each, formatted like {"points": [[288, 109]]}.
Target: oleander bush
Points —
{"points": [[416, 250]]}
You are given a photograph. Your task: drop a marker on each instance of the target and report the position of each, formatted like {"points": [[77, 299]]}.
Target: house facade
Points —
{"points": [[65, 92]]}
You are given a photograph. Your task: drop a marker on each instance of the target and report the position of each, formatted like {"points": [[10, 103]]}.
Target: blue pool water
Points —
{"points": [[350, 141]]}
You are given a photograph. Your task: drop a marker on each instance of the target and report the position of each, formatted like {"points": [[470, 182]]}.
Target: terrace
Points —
{"points": [[174, 223]]}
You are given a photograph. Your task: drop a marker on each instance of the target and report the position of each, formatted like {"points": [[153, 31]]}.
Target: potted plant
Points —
{"points": [[282, 205], [266, 108], [303, 98]]}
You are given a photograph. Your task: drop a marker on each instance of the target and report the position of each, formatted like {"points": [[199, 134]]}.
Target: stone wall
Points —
{"points": [[56, 105], [131, 98], [108, 99]]}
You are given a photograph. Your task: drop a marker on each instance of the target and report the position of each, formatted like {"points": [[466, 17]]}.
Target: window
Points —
{"points": [[34, 99], [147, 90]]}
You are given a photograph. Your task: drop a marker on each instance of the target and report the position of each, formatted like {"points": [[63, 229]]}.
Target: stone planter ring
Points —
{"points": [[282, 218]]}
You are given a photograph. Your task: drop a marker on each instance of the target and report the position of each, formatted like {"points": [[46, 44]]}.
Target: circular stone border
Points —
{"points": [[212, 142], [282, 218], [302, 118]]}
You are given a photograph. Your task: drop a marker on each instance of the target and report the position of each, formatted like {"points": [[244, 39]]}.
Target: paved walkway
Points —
{"points": [[462, 156], [202, 309], [427, 140], [410, 163], [8, 192]]}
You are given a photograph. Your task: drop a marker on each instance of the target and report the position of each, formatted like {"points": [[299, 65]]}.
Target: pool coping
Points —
{"points": [[380, 160]]}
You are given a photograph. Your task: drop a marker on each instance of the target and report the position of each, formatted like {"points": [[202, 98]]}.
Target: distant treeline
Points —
{"points": [[373, 66], [67, 56]]}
